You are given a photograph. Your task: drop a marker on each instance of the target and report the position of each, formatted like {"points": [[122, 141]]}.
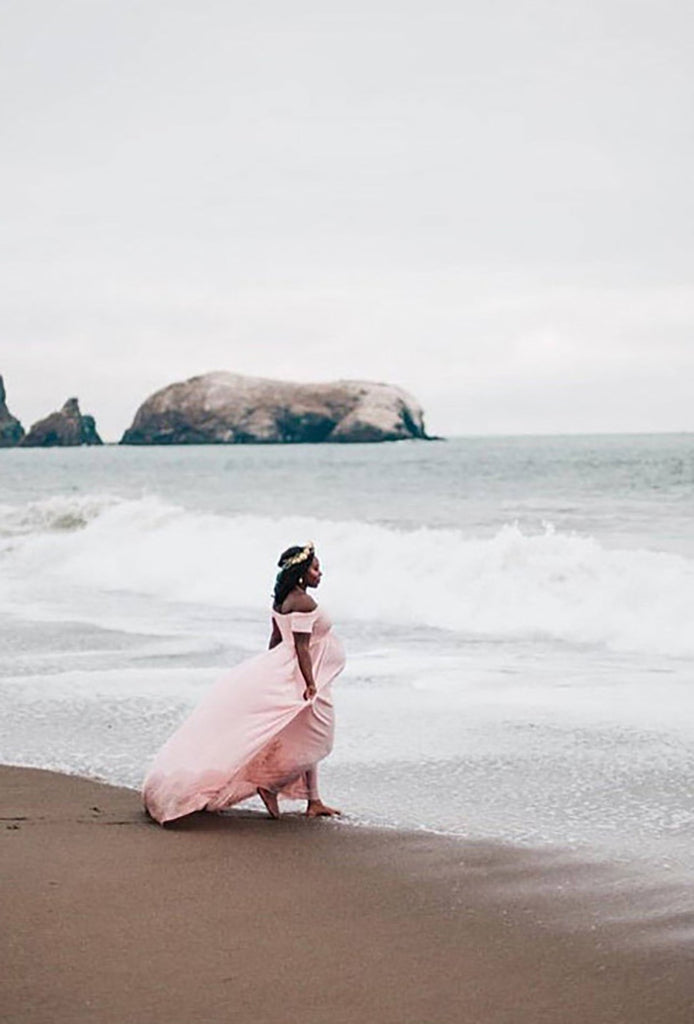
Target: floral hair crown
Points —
{"points": [[299, 557]]}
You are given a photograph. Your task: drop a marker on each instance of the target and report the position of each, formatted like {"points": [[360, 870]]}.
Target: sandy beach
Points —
{"points": [[109, 918]]}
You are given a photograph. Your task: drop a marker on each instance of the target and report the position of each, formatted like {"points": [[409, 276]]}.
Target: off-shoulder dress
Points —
{"points": [[252, 728]]}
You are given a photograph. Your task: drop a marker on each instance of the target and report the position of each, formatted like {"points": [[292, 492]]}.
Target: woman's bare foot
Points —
{"points": [[270, 801], [317, 809]]}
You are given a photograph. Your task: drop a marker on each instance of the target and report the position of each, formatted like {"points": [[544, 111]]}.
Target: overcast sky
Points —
{"points": [[488, 203]]}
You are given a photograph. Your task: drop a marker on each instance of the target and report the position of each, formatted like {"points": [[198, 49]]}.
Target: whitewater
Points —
{"points": [[517, 614]]}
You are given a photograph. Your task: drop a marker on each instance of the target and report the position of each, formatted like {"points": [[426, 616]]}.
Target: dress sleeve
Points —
{"points": [[302, 622]]}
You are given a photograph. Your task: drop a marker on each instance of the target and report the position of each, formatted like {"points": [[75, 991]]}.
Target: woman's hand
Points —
{"points": [[310, 692]]}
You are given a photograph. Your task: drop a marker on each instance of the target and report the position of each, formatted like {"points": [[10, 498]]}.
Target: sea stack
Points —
{"points": [[227, 408], [11, 430], [67, 428]]}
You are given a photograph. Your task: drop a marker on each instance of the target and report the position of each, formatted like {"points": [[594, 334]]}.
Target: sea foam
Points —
{"points": [[513, 585]]}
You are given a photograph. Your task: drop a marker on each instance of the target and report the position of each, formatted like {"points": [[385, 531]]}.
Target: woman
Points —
{"points": [[264, 726]]}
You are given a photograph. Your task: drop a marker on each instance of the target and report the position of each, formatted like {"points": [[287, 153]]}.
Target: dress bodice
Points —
{"points": [[317, 623]]}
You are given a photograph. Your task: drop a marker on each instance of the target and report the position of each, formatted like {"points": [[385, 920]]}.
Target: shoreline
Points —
{"points": [[638, 874], [235, 917]]}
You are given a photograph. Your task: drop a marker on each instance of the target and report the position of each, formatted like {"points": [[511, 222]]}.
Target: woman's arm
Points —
{"points": [[275, 636], [303, 653]]}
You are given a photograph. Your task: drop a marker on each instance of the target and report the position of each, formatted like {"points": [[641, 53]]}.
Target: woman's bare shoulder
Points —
{"points": [[298, 602]]}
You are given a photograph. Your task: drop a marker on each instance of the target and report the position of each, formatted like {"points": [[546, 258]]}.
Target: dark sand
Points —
{"points": [[109, 919]]}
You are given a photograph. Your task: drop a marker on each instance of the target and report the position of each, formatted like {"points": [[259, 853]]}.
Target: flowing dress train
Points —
{"points": [[252, 728]]}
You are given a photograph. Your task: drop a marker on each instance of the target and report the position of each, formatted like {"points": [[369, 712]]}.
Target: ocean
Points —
{"points": [[518, 615]]}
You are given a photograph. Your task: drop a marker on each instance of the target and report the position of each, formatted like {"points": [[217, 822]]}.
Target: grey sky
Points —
{"points": [[489, 204]]}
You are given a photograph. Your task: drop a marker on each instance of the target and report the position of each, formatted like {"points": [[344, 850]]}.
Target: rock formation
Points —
{"points": [[11, 430], [226, 408], [65, 428]]}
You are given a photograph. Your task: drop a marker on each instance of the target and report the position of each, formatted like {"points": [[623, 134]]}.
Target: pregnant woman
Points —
{"points": [[265, 725]]}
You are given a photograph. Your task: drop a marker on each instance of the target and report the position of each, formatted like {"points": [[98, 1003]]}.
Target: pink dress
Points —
{"points": [[252, 728]]}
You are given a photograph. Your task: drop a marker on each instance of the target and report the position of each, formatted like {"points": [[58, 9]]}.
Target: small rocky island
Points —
{"points": [[227, 408], [66, 428], [11, 430]]}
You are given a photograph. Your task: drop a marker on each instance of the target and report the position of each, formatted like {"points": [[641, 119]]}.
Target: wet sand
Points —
{"points": [[110, 919]]}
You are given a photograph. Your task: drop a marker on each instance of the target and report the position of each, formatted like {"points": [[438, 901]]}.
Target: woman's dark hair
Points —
{"points": [[288, 578]]}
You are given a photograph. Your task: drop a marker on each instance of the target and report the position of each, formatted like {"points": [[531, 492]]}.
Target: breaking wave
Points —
{"points": [[513, 585]]}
